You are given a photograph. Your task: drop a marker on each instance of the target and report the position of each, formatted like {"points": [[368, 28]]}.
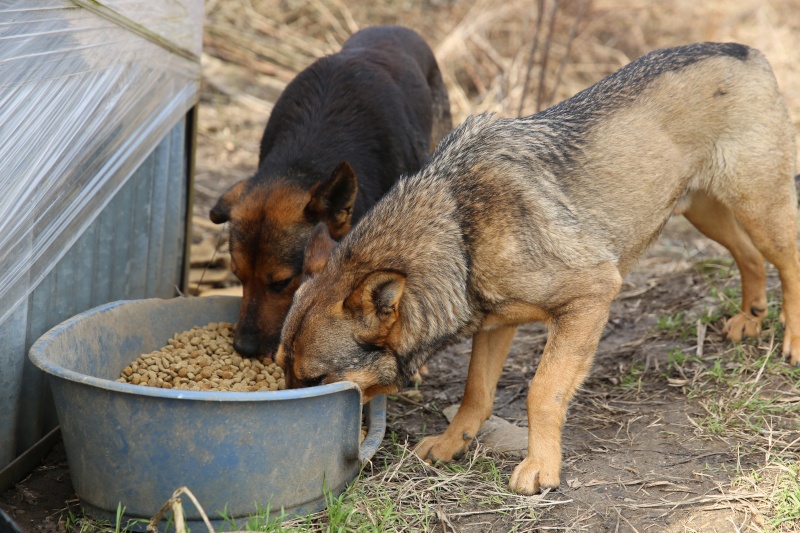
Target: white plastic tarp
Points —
{"points": [[87, 90]]}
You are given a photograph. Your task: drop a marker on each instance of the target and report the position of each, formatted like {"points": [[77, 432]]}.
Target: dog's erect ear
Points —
{"points": [[332, 201], [318, 251], [222, 211], [377, 298]]}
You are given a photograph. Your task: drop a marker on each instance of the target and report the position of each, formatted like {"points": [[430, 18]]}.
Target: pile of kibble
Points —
{"points": [[203, 359]]}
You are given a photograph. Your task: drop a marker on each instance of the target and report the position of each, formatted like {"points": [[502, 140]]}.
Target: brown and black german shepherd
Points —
{"points": [[539, 219], [341, 134]]}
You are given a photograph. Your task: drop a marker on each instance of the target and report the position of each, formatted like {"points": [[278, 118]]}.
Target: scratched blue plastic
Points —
{"points": [[235, 450]]}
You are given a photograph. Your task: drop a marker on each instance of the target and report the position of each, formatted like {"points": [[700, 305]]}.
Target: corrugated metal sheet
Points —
{"points": [[133, 249]]}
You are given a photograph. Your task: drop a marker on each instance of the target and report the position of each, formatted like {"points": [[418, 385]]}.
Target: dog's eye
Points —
{"points": [[278, 286]]}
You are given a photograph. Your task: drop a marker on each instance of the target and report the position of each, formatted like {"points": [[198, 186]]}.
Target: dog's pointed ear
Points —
{"points": [[377, 298], [318, 251], [332, 201], [221, 212]]}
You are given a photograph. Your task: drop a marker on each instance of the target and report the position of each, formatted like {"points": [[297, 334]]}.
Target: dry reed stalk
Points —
{"points": [[573, 33], [175, 505], [222, 48], [532, 56], [280, 53], [548, 41]]}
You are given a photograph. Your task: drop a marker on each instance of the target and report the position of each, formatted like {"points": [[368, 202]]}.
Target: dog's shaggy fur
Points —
{"points": [[539, 219]]}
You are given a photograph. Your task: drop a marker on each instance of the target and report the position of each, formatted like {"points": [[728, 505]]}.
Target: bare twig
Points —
{"points": [[701, 337], [546, 54], [573, 32], [532, 56]]}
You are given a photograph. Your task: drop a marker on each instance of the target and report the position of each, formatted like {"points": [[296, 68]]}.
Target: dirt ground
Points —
{"points": [[657, 439]]}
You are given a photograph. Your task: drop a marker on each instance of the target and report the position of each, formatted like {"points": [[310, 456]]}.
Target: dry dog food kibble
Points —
{"points": [[203, 359]]}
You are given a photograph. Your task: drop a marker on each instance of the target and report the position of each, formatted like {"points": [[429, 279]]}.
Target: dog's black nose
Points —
{"points": [[246, 345], [253, 345]]}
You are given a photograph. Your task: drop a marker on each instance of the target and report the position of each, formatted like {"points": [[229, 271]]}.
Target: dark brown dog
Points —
{"points": [[341, 134], [539, 219]]}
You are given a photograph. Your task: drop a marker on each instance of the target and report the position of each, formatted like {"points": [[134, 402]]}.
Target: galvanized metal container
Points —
{"points": [[134, 446], [97, 128]]}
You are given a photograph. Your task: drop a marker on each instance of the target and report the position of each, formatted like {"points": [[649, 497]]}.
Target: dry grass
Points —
{"points": [[484, 47], [253, 48], [399, 492]]}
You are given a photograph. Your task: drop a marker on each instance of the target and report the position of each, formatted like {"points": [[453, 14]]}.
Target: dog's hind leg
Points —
{"points": [[489, 352], [771, 222], [718, 223]]}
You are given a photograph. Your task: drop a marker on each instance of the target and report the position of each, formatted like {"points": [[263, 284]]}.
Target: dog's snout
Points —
{"points": [[312, 382], [245, 349], [250, 342], [246, 346]]}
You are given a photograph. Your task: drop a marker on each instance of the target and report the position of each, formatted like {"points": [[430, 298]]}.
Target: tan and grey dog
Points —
{"points": [[539, 219]]}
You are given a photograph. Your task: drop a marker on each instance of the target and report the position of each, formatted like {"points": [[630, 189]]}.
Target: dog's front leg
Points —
{"points": [[489, 351], [567, 357]]}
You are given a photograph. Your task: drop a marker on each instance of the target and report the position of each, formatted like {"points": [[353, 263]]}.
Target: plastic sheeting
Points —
{"points": [[87, 90], [133, 249]]}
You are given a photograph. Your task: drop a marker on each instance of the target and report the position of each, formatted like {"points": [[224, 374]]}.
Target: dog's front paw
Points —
{"points": [[742, 325], [442, 448], [533, 474]]}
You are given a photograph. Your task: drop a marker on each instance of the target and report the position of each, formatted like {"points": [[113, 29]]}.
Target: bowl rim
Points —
{"points": [[39, 347]]}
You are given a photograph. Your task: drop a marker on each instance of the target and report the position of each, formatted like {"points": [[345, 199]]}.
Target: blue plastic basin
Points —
{"points": [[134, 445]]}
